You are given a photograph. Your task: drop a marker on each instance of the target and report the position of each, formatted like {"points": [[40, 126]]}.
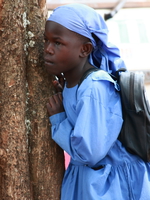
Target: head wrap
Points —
{"points": [[86, 21]]}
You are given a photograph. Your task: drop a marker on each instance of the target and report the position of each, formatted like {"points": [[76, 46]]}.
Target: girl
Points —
{"points": [[86, 119]]}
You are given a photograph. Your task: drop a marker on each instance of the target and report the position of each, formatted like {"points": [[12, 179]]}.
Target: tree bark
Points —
{"points": [[31, 164]]}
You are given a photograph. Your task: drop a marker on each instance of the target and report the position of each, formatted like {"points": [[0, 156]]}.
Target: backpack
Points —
{"points": [[135, 132]]}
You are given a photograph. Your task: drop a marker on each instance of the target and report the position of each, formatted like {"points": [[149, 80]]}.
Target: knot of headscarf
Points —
{"points": [[86, 21]]}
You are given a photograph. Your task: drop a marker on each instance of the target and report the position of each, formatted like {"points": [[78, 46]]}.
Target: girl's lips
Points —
{"points": [[48, 62]]}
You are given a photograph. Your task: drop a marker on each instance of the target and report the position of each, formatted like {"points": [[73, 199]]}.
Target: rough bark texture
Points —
{"points": [[31, 164]]}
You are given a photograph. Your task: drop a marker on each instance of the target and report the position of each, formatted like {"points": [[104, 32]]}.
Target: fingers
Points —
{"points": [[58, 87], [48, 109], [62, 80], [60, 96], [59, 83], [55, 99], [55, 104]]}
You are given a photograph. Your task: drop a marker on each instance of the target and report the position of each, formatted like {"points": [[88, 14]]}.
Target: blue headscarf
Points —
{"points": [[86, 21]]}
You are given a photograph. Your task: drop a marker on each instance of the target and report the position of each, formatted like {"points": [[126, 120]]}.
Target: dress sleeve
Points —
{"points": [[97, 127]]}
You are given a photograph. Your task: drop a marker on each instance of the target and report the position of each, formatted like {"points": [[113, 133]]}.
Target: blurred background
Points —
{"points": [[129, 29]]}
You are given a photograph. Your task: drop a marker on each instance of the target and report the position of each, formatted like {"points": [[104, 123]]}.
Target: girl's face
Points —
{"points": [[62, 49]]}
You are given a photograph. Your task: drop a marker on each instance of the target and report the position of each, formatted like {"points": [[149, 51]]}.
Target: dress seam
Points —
{"points": [[127, 175]]}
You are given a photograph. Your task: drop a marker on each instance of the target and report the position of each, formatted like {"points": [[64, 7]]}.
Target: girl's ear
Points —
{"points": [[86, 49]]}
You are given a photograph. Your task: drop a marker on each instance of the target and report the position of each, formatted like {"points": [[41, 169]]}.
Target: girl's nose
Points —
{"points": [[49, 49]]}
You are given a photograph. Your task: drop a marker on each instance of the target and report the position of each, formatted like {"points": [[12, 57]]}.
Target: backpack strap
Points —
{"points": [[86, 74], [93, 69], [117, 74]]}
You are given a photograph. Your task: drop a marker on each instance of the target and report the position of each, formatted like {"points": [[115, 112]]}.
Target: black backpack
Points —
{"points": [[135, 132]]}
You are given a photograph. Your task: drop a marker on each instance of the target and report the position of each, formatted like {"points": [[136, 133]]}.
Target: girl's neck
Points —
{"points": [[73, 77]]}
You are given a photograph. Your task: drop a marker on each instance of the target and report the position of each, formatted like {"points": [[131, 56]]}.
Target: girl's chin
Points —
{"points": [[52, 73]]}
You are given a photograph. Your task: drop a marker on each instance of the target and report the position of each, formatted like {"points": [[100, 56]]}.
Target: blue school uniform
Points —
{"points": [[100, 167]]}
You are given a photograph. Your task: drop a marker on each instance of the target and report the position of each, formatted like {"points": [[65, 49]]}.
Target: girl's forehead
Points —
{"points": [[57, 30]]}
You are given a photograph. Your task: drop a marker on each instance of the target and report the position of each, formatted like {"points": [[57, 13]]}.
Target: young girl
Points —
{"points": [[86, 119]]}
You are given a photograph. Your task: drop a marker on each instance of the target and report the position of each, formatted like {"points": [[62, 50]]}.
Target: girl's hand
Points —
{"points": [[55, 104], [59, 84]]}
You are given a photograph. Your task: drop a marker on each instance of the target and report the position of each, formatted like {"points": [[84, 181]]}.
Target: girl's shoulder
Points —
{"points": [[102, 75], [98, 79]]}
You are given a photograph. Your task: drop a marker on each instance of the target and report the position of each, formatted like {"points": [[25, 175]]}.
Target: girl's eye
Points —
{"points": [[45, 39], [57, 43]]}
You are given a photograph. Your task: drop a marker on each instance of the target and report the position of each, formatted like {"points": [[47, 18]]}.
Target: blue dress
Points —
{"points": [[100, 167]]}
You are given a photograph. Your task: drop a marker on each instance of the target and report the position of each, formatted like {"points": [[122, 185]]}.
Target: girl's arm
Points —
{"points": [[97, 127]]}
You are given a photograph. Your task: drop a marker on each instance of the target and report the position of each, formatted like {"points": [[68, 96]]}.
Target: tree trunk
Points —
{"points": [[31, 164]]}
